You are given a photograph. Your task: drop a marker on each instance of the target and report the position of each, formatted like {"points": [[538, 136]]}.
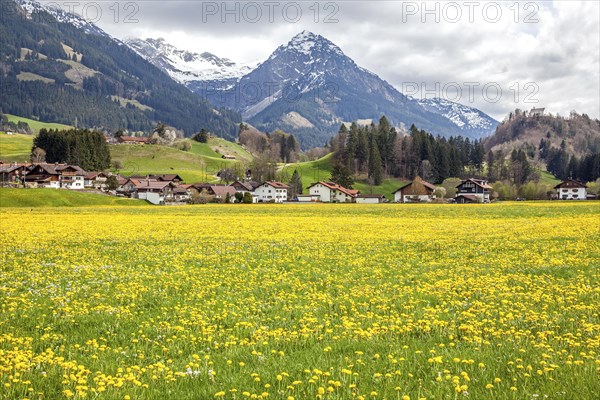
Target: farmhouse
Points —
{"points": [[369, 198], [473, 191], [571, 189], [13, 172], [271, 191], [246, 187], [417, 191], [330, 192], [221, 191], [96, 180], [71, 176], [151, 190]]}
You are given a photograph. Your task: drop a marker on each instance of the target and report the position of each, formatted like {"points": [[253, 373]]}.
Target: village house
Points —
{"points": [[220, 192], [133, 140], [95, 180], [71, 177], [272, 191], [151, 190], [13, 172], [43, 176], [369, 199], [571, 189], [417, 191], [246, 187], [330, 192], [473, 191], [167, 178]]}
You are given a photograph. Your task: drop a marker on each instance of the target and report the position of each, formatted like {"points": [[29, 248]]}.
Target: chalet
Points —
{"points": [[71, 176], [95, 180], [271, 191], [167, 178], [369, 198], [13, 173], [221, 191], [473, 191], [151, 190], [571, 189], [133, 140], [43, 175], [178, 195], [417, 191], [246, 187], [330, 192]]}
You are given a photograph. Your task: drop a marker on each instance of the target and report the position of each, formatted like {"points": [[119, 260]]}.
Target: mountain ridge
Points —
{"points": [[313, 78]]}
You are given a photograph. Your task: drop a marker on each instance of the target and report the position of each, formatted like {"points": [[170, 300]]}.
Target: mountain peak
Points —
{"points": [[307, 42]]}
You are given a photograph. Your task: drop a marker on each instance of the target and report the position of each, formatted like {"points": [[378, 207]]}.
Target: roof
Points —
{"points": [[418, 179], [244, 185], [479, 182], [570, 184], [148, 184], [277, 185], [222, 190], [168, 177], [335, 186], [469, 197], [94, 175]]}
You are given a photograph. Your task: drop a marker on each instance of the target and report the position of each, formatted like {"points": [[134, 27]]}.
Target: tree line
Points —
{"points": [[378, 151], [82, 147]]}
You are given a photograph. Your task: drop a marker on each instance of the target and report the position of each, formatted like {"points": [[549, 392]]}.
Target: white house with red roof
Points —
{"points": [[331, 192], [271, 191]]}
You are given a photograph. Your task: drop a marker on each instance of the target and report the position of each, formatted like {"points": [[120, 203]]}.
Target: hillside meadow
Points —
{"points": [[320, 301]]}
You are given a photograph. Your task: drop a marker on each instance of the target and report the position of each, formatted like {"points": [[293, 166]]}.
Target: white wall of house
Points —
{"points": [[76, 183], [266, 193], [571, 194], [324, 193], [154, 198], [307, 198], [367, 200]]}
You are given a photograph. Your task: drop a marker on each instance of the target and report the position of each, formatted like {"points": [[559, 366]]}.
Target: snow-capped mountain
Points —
{"points": [[53, 8], [468, 119], [185, 66], [312, 78]]}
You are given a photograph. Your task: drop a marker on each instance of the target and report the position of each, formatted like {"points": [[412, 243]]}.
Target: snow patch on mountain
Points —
{"points": [[185, 66], [53, 8], [466, 118]]}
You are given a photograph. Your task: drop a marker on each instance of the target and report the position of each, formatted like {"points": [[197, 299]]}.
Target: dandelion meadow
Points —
{"points": [[496, 301]]}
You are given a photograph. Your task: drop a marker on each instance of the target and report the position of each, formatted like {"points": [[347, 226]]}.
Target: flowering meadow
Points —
{"points": [[497, 301]]}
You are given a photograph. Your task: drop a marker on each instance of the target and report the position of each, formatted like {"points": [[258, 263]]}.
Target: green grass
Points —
{"points": [[548, 179], [60, 198], [198, 165], [15, 147], [37, 125]]}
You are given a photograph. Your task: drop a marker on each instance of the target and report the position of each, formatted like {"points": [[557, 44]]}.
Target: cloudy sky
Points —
{"points": [[538, 54]]}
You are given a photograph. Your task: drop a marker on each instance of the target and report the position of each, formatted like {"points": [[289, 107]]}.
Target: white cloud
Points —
{"points": [[559, 53]]}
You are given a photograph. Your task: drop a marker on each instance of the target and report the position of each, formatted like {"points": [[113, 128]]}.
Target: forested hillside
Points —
{"points": [[54, 71]]}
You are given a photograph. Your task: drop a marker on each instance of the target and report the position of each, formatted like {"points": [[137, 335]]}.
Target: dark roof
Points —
{"points": [[570, 184], [469, 197], [479, 182], [418, 179], [276, 184]]}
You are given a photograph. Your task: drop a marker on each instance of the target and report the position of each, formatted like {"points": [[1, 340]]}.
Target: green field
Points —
{"points": [[15, 147], [304, 301], [60, 198], [200, 164], [37, 125]]}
